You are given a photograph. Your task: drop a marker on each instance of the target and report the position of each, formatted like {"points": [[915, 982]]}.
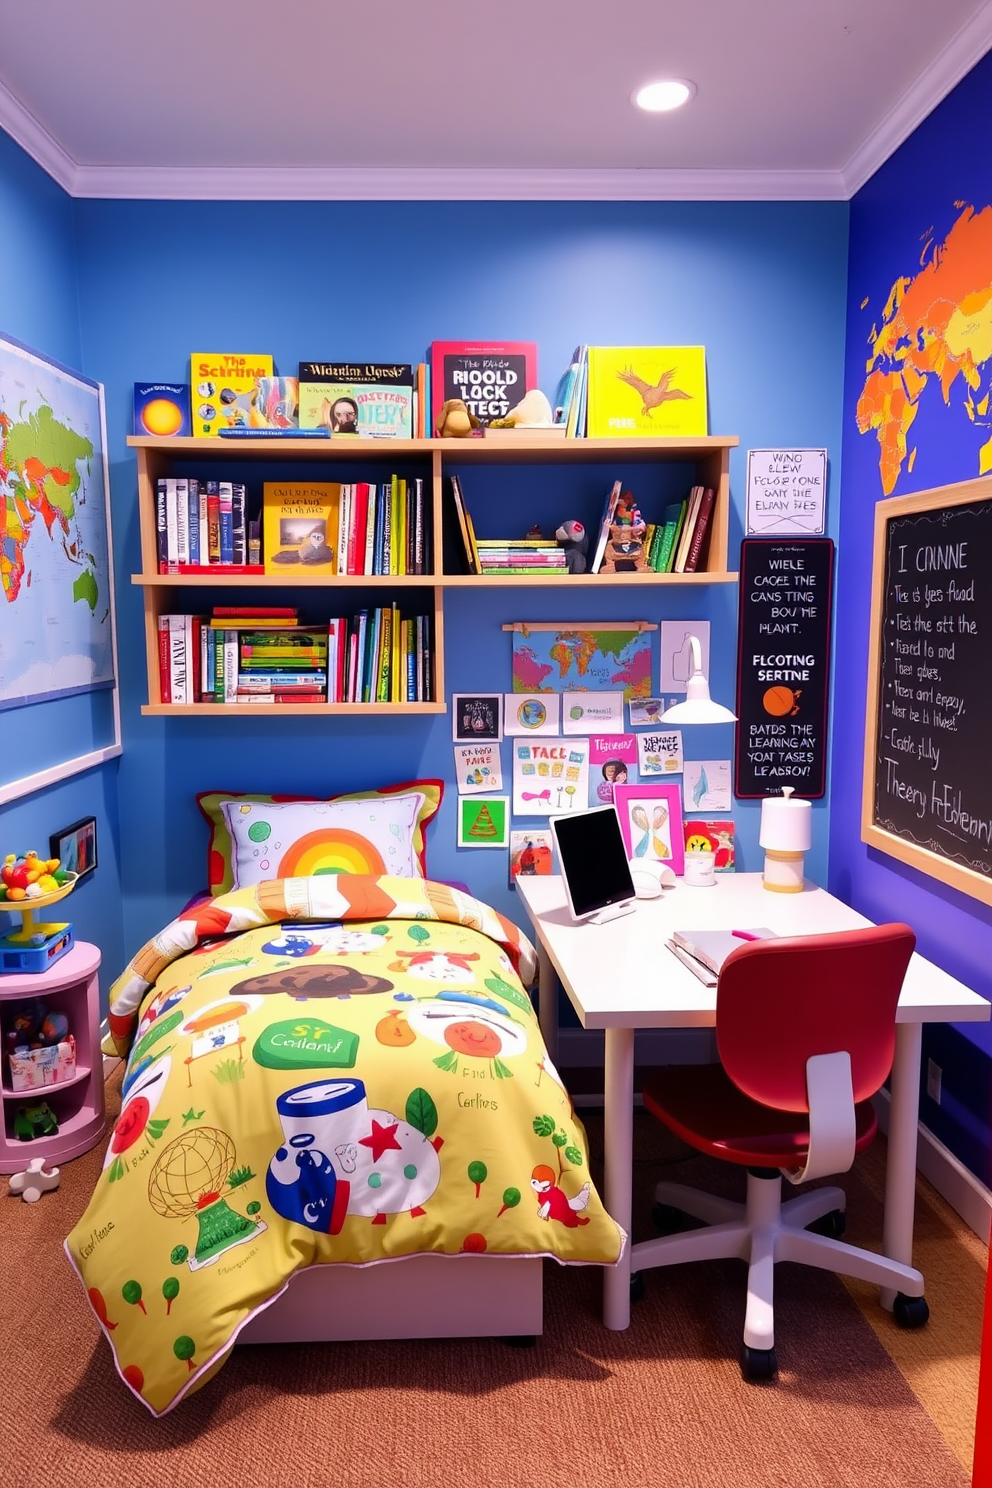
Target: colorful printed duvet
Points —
{"points": [[330, 1069]]}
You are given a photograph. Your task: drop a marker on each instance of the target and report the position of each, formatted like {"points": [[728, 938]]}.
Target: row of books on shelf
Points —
{"points": [[503, 556], [323, 527], [231, 657], [606, 391]]}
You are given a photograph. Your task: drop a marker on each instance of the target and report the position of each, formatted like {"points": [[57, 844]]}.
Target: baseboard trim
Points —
{"points": [[965, 1193]]}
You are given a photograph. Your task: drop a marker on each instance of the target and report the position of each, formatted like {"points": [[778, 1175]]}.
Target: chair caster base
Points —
{"points": [[758, 1364], [910, 1312], [636, 1286], [832, 1225]]}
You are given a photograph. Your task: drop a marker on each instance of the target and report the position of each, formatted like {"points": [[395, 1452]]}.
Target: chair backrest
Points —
{"points": [[780, 1001]]}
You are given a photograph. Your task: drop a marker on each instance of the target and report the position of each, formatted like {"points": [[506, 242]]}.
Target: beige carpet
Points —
{"points": [[661, 1404]]}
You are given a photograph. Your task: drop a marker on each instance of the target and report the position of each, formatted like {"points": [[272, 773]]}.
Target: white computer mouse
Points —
{"points": [[651, 879]]}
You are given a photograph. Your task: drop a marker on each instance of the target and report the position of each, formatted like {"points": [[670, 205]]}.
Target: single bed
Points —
{"points": [[339, 1121]]}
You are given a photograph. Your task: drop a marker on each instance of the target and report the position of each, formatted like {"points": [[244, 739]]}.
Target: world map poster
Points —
{"points": [[56, 632], [583, 658]]}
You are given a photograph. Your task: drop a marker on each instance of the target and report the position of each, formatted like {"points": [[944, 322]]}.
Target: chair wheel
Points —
{"points": [[636, 1286], [666, 1219], [758, 1364], [832, 1225], [910, 1312]]}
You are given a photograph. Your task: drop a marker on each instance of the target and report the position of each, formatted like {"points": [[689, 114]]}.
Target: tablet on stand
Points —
{"points": [[594, 866]]}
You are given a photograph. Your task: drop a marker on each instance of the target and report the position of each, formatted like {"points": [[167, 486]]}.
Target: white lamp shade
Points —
{"points": [[786, 825], [698, 707]]}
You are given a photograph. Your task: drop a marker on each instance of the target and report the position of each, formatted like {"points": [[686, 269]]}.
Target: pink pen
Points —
{"points": [[745, 935]]}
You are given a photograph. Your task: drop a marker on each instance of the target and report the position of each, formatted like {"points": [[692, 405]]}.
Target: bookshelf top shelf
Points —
{"points": [[523, 446]]}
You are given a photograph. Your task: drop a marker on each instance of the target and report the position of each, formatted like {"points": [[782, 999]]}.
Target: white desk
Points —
{"points": [[620, 976]]}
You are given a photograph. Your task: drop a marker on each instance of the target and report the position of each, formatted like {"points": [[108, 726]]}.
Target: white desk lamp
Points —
{"points": [[698, 707], [786, 835]]}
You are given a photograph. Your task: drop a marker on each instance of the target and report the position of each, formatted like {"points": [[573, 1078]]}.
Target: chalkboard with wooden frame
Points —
{"points": [[927, 797]]}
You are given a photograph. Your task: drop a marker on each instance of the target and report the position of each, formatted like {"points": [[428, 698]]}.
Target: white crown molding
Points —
{"points": [[274, 184], [943, 74], [25, 130]]}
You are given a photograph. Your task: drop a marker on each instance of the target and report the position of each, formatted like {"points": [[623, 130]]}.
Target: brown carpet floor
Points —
{"points": [[661, 1404]]}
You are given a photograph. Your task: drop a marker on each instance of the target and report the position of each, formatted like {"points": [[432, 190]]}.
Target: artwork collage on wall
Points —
{"points": [[584, 727]]}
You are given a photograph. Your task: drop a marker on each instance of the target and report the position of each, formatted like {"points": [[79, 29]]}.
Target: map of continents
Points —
{"points": [[935, 334], [55, 634], [585, 659]]}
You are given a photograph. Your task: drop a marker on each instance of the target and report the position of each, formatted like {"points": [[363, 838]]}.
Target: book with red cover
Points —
{"points": [[697, 542], [490, 377]]}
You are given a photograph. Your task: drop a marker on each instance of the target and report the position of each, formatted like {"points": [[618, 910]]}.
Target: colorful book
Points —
{"points": [[490, 377], [374, 400], [300, 526], [162, 409], [697, 541], [685, 536], [671, 527], [225, 388], [609, 511], [635, 391]]}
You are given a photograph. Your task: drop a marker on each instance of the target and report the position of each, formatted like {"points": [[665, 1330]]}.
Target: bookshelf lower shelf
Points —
{"points": [[281, 710], [570, 581]]}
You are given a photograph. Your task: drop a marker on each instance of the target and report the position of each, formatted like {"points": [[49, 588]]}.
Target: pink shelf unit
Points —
{"points": [[72, 986]]}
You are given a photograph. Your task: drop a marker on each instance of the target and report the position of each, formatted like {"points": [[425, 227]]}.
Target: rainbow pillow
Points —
{"points": [[255, 837]]}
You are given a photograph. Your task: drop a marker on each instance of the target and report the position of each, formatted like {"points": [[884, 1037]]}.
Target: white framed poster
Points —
{"points": [[786, 492]]}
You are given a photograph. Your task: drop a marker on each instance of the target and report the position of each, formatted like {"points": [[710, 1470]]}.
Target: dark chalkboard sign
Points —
{"points": [[928, 735], [783, 665]]}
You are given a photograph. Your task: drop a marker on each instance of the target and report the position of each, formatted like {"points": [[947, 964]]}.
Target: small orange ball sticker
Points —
{"points": [[778, 701]]}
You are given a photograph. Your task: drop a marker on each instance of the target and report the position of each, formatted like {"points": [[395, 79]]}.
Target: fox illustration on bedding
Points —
{"points": [[333, 1069]]}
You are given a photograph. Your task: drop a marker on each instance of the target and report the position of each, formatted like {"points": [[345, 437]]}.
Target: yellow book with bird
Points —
{"points": [[647, 390]]}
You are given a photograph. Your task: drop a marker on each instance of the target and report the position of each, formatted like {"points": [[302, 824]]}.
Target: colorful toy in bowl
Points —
{"points": [[29, 883]]}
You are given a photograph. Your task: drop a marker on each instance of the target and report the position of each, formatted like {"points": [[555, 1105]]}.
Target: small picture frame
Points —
{"points": [[483, 821], [75, 846], [651, 822], [476, 716]]}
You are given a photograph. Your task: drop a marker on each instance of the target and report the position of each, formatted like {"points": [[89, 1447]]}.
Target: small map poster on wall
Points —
{"points": [[56, 633], [783, 663], [589, 658]]}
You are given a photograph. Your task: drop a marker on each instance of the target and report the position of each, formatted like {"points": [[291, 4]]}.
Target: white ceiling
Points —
{"points": [[479, 99]]}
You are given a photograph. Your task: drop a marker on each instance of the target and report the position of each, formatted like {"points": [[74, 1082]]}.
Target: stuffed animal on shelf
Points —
{"points": [[36, 1120], [455, 421], [572, 536], [625, 548], [532, 412], [34, 1181]]}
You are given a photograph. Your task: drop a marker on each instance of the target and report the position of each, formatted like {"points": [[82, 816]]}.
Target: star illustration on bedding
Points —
{"points": [[381, 1139]]}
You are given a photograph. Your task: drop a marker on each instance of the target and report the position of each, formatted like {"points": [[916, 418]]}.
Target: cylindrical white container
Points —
{"points": [[786, 835]]}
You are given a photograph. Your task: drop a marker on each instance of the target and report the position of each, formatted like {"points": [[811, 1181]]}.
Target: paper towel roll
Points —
{"points": [[786, 825]]}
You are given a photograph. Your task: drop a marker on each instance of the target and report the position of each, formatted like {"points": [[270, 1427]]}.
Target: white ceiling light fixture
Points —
{"points": [[663, 96]]}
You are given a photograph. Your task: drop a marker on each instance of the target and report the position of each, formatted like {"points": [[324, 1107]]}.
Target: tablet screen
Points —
{"points": [[593, 859]]}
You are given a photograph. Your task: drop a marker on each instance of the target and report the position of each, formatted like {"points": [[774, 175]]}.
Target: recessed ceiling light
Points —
{"points": [[660, 97]]}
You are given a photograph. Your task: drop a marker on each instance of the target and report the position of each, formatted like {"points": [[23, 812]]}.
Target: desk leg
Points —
{"points": [[547, 1001], [618, 1155], [900, 1171]]}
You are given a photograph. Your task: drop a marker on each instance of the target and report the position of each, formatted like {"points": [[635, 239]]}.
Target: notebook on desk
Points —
{"points": [[704, 951]]}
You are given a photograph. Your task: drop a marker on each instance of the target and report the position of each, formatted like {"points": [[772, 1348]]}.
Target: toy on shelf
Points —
{"points": [[28, 884], [34, 1181], [572, 536], [625, 548], [35, 1120], [455, 421]]}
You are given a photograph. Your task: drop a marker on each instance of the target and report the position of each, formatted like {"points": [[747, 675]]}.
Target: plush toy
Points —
{"points": [[454, 421], [34, 1181], [573, 538], [532, 412], [36, 1120]]}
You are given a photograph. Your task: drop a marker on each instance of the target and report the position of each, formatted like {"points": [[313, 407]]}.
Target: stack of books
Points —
{"points": [[285, 664], [380, 656], [526, 556], [203, 525], [677, 544], [356, 527]]}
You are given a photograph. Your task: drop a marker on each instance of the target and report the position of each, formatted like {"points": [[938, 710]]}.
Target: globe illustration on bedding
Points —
{"points": [[189, 1179]]}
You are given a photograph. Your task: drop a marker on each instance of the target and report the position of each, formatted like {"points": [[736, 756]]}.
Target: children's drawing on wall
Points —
{"points": [[715, 837], [477, 715], [483, 821], [588, 712], [659, 753], [706, 785], [531, 713], [651, 822], [477, 768], [530, 854], [550, 776], [612, 761], [645, 712]]}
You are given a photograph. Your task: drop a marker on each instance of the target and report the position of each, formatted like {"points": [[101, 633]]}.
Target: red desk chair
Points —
{"points": [[805, 1031]]}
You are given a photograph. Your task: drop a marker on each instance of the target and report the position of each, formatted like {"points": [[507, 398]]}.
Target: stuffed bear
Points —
{"points": [[572, 537]]}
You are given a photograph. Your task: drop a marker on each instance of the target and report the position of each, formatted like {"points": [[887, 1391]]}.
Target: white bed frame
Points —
{"points": [[425, 1296]]}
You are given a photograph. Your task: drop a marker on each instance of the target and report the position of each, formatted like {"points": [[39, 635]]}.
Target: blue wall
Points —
{"points": [[917, 195], [41, 309], [761, 285]]}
